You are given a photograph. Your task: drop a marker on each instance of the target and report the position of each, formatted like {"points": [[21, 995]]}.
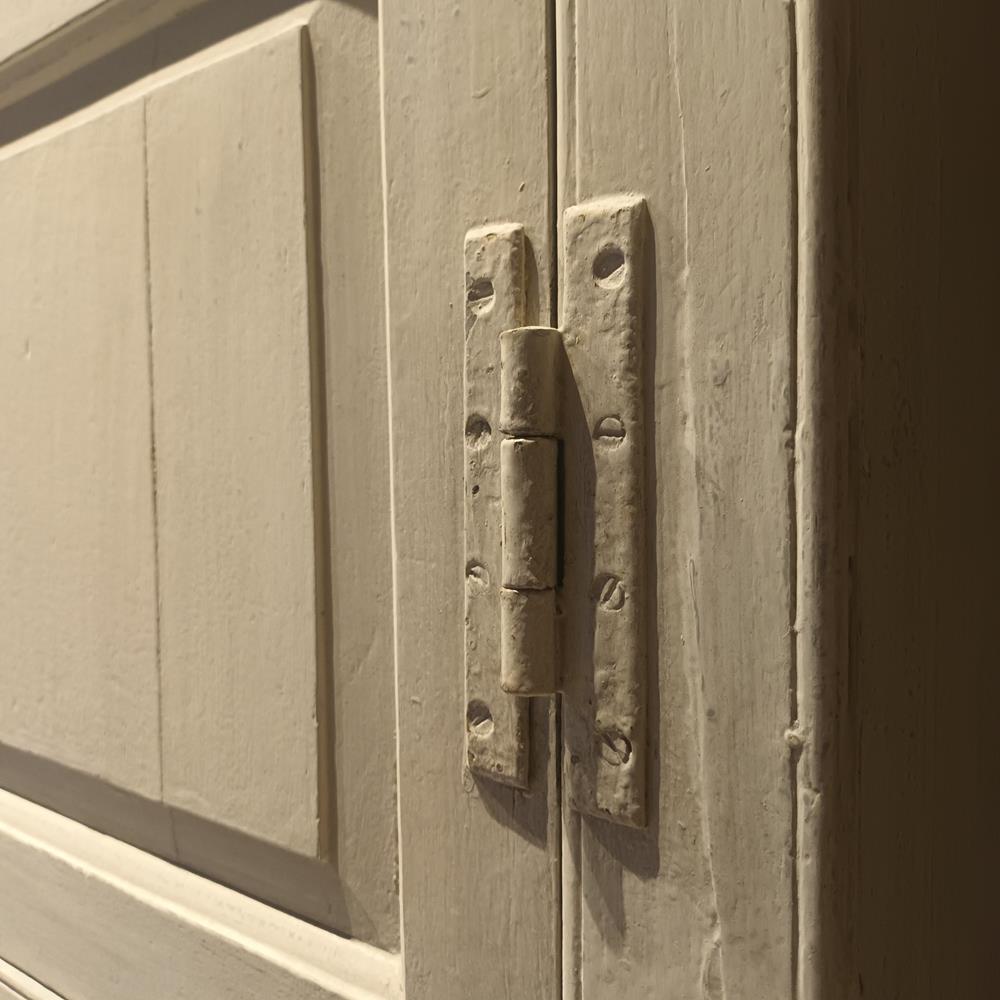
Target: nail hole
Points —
{"points": [[475, 491], [609, 592], [609, 267], [479, 718], [615, 748], [477, 431], [477, 574], [610, 429], [479, 295]]}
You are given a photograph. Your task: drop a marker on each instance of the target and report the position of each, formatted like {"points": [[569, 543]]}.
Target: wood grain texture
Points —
{"points": [[243, 646], [920, 837], [897, 778], [466, 141], [117, 924], [77, 574], [701, 904]]}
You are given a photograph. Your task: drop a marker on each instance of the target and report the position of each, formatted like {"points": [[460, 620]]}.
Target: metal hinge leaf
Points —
{"points": [[539, 400]]}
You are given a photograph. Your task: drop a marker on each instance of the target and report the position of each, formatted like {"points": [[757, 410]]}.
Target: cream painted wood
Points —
{"points": [[334, 225], [28, 21], [15, 985], [243, 643], [77, 574], [466, 143], [343, 66], [700, 903], [89, 916]]}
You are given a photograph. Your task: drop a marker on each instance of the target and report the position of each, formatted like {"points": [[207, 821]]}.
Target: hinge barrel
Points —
{"points": [[528, 642], [528, 381], [529, 498]]}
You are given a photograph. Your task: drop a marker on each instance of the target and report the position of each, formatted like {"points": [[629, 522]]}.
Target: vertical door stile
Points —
{"points": [[466, 133]]}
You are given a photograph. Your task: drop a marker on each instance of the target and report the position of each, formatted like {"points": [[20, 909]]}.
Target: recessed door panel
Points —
{"points": [[77, 553], [243, 648], [195, 582]]}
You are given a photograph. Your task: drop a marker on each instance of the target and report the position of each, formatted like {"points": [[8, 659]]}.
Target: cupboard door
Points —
{"points": [[245, 251], [466, 144]]}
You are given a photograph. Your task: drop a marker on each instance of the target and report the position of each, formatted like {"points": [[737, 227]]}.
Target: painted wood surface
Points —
{"points": [[466, 133], [701, 903], [299, 305], [77, 574], [130, 925], [15, 985], [27, 22], [243, 641], [342, 73]]}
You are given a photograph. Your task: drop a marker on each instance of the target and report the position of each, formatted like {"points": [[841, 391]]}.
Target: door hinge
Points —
{"points": [[555, 508]]}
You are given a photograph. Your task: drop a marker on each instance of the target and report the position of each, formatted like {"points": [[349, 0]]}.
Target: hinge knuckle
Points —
{"points": [[555, 515], [527, 381], [528, 501], [527, 641]]}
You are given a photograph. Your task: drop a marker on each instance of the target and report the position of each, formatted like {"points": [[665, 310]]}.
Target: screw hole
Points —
{"points": [[480, 295], [478, 574], [479, 718], [609, 592], [609, 267], [610, 429], [477, 431], [615, 747]]}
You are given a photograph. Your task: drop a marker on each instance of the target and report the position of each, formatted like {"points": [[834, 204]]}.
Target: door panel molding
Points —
{"points": [[15, 985], [81, 909]]}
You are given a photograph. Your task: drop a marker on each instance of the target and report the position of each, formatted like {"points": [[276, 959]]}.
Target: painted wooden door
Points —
{"points": [[234, 302], [688, 107]]}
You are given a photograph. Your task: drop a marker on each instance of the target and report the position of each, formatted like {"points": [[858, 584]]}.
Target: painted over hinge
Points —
{"points": [[529, 495], [555, 472], [604, 590], [496, 723]]}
